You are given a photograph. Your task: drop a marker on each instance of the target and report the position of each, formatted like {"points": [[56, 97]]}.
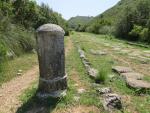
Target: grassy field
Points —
{"points": [[118, 53], [10, 68]]}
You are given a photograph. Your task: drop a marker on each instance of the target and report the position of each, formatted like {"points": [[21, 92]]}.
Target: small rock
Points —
{"points": [[19, 74], [20, 71], [76, 98], [92, 72], [105, 90], [80, 91]]}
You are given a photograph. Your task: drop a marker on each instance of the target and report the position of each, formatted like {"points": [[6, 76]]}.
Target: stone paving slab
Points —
{"points": [[133, 75], [98, 52], [138, 84], [121, 69]]}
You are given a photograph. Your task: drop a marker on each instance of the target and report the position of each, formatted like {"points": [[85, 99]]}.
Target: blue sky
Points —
{"points": [[71, 8]]}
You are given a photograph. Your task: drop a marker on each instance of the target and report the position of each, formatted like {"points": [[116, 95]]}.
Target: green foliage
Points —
{"points": [[136, 31], [79, 23], [98, 26], [122, 18], [140, 33]]}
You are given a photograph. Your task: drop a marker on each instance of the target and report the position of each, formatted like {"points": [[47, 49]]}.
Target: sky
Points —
{"points": [[72, 8]]}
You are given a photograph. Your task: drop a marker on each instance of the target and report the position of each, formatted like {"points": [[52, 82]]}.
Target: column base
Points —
{"points": [[55, 94]]}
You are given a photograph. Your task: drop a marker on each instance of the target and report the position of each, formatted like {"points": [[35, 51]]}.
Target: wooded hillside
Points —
{"points": [[129, 19]]}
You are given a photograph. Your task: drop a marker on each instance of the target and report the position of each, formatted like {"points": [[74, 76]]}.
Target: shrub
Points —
{"points": [[135, 32], [139, 33], [144, 35]]}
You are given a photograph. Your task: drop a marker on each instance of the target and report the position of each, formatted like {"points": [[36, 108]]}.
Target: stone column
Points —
{"points": [[50, 48]]}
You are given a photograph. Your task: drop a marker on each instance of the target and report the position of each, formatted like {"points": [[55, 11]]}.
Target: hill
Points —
{"points": [[78, 21], [128, 19]]}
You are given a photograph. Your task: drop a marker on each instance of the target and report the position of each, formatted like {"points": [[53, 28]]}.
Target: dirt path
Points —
{"points": [[10, 91]]}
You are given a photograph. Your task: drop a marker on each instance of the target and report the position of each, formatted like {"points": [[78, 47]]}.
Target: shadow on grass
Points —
{"points": [[36, 105]]}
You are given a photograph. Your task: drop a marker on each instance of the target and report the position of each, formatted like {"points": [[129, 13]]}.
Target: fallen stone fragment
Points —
{"points": [[132, 75], [121, 69], [112, 101], [92, 72], [82, 55], [137, 84], [105, 90], [20, 71], [19, 74]]}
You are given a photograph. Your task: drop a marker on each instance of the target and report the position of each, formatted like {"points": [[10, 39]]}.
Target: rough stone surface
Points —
{"points": [[132, 75], [137, 84], [105, 90], [112, 101], [81, 52], [51, 28], [50, 48], [121, 69], [92, 72]]}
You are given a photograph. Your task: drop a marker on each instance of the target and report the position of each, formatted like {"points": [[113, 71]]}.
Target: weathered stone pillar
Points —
{"points": [[50, 48]]}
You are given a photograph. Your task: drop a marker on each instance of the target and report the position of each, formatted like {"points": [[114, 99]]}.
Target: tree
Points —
{"points": [[125, 24]]}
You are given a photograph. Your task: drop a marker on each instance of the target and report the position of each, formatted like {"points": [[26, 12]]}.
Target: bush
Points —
{"points": [[139, 33], [144, 35], [135, 32]]}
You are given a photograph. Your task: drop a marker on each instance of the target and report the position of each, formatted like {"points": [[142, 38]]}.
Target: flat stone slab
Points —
{"points": [[121, 69], [132, 75], [98, 52], [138, 84]]}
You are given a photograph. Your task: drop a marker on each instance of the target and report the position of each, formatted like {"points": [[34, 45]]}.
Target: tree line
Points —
{"points": [[18, 21]]}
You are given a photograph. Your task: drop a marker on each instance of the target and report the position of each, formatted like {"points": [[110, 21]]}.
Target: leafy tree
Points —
{"points": [[125, 24]]}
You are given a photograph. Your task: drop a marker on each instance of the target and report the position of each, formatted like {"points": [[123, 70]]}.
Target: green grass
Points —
{"points": [[89, 41], [11, 67], [103, 74]]}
